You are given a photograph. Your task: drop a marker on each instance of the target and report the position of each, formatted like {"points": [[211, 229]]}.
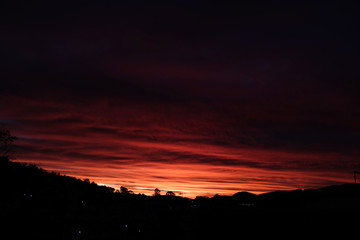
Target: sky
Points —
{"points": [[194, 97]]}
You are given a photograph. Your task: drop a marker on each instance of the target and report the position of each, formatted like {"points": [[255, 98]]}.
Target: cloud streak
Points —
{"points": [[197, 99], [150, 152]]}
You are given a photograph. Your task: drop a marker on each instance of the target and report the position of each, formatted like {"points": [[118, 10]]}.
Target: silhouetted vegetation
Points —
{"points": [[6, 142], [157, 192], [125, 191], [170, 193], [38, 204]]}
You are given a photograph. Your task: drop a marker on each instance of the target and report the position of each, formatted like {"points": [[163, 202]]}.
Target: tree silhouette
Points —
{"points": [[157, 192], [170, 193], [6, 141], [125, 191]]}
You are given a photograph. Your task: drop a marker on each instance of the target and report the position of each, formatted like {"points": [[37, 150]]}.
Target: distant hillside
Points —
{"points": [[48, 205], [346, 196], [27, 181], [38, 204]]}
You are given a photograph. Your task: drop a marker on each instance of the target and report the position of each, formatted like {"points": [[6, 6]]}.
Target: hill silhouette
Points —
{"points": [[38, 204]]}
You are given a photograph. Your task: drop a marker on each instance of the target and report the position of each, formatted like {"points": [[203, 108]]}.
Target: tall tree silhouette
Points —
{"points": [[157, 192], [6, 143]]}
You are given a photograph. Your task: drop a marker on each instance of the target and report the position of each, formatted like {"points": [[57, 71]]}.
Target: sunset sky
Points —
{"points": [[190, 96]]}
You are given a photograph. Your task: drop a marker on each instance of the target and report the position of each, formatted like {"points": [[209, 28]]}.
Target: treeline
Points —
{"points": [[48, 205], [27, 180], [37, 204]]}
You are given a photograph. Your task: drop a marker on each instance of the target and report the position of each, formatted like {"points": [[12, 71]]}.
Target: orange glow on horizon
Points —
{"points": [[196, 155], [192, 178]]}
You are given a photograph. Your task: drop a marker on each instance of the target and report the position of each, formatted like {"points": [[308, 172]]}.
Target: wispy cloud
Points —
{"points": [[142, 153], [212, 101]]}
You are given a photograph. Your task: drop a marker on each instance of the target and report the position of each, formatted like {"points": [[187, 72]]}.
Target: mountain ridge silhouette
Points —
{"points": [[50, 205]]}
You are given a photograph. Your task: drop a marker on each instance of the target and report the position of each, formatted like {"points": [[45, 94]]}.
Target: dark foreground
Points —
{"points": [[36, 204]]}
